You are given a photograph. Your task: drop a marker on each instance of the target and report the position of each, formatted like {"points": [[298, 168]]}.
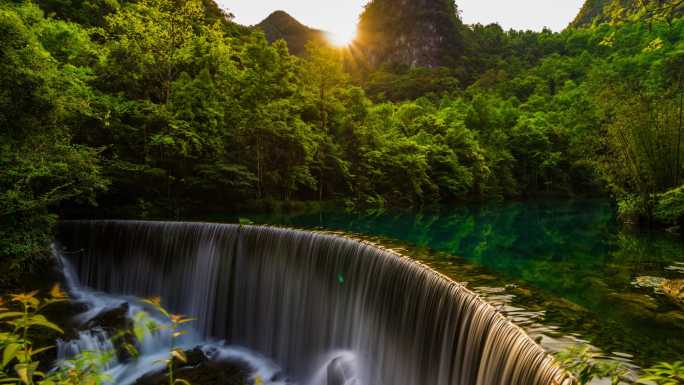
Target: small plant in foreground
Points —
{"points": [[174, 328], [587, 365], [664, 374], [19, 364]]}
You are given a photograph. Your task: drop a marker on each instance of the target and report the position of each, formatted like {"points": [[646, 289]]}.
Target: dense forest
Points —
{"points": [[163, 108]]}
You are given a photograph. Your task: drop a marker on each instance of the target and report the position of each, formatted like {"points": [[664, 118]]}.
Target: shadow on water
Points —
{"points": [[564, 271]]}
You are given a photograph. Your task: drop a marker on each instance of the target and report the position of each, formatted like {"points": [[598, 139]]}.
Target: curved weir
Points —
{"points": [[312, 302]]}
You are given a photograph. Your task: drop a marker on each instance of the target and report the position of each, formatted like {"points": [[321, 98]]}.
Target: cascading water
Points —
{"points": [[328, 309], [153, 348]]}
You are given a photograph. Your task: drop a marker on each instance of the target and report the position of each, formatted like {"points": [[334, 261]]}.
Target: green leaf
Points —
{"points": [[139, 332], [39, 320], [245, 221], [11, 314], [23, 372], [38, 351], [9, 353], [130, 349]]}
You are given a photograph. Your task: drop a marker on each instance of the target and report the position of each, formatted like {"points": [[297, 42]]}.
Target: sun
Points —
{"points": [[342, 36]]}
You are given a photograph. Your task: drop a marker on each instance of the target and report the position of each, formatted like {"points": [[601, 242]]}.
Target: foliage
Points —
{"points": [[159, 108], [631, 208], [19, 364], [174, 330], [587, 365], [670, 206], [664, 374], [42, 100], [280, 25], [617, 11]]}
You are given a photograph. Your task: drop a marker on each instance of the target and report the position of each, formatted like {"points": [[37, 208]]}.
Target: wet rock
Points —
{"points": [[649, 282], [113, 320], [340, 371], [200, 370], [671, 319], [522, 292], [673, 289], [637, 304], [566, 305], [676, 267], [64, 314]]}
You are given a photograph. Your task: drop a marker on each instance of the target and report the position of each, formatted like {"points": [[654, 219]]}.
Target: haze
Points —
{"points": [[340, 16]]}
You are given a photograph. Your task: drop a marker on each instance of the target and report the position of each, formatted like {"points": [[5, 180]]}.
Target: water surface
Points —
{"points": [[564, 271]]}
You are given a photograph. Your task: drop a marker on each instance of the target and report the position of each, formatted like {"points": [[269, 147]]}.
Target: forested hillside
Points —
{"points": [[602, 11], [592, 10], [151, 109]]}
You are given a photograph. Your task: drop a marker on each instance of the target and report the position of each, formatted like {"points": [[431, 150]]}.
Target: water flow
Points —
{"points": [[299, 297], [153, 348]]}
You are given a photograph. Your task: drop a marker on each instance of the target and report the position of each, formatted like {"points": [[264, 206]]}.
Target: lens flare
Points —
{"points": [[342, 37]]}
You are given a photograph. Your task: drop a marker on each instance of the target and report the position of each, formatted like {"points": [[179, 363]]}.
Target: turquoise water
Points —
{"points": [[563, 271]]}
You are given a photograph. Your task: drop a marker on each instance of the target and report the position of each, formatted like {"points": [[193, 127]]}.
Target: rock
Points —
{"points": [[648, 282], [200, 370], [341, 371], [671, 319], [411, 33], [115, 322], [636, 304], [62, 314], [673, 289], [567, 305], [113, 319]]}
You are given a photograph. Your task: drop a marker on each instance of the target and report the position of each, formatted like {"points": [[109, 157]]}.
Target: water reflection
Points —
{"points": [[562, 270]]}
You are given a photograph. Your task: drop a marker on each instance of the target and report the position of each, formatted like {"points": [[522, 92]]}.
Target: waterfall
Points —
{"points": [[96, 340], [301, 298]]}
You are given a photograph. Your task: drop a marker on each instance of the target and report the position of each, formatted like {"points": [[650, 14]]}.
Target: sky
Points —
{"points": [[340, 16]]}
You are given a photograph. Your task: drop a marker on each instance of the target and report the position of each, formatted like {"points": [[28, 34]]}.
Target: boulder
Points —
{"points": [[673, 289], [671, 319], [200, 370], [111, 319], [115, 322], [340, 372]]}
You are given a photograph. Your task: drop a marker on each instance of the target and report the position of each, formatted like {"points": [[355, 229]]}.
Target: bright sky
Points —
{"points": [[340, 16]]}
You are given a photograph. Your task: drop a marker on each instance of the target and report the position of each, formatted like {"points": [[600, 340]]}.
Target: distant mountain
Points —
{"points": [[280, 25], [414, 33], [597, 11], [592, 10]]}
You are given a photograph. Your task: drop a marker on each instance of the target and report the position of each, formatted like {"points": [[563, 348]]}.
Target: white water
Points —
{"points": [[329, 310], [154, 347]]}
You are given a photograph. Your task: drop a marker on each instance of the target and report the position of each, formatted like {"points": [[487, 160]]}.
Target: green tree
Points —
{"points": [[41, 167]]}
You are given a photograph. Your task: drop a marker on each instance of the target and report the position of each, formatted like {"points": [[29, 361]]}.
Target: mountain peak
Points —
{"points": [[281, 17], [417, 33], [591, 10], [281, 25]]}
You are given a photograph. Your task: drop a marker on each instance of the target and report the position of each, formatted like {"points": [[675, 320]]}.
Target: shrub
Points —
{"points": [[670, 206]]}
